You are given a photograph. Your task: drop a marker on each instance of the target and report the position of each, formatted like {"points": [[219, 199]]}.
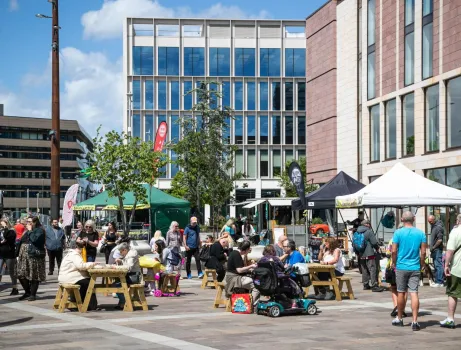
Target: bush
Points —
{"points": [[316, 221]]}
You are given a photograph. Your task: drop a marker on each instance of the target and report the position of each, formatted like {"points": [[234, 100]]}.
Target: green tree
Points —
{"points": [[123, 164], [204, 153], [286, 183]]}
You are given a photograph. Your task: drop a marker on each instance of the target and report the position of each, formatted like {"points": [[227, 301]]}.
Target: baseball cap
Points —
{"points": [[193, 219]]}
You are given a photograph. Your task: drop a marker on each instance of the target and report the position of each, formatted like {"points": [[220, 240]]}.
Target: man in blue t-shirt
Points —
{"points": [[408, 255], [192, 243], [291, 256]]}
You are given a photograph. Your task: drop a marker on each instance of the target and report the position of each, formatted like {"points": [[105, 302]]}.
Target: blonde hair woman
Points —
{"points": [[173, 236], [90, 237], [157, 236]]}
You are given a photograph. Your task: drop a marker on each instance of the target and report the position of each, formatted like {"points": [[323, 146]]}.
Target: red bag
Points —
{"points": [[241, 304]]}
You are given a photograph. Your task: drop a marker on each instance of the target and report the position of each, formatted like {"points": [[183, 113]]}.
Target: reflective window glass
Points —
{"points": [[276, 96], [226, 94], [238, 93], [174, 127], [219, 61], [301, 96], [276, 163], [174, 95], [136, 94], [295, 62], [149, 94], [244, 62], [187, 96], [194, 61], [432, 118], [269, 62], [288, 130], [161, 91], [149, 127], [301, 130], [251, 129], [374, 134], [168, 61], [276, 130], [264, 163], [391, 129], [251, 164], [288, 96], [238, 123], [251, 96], [454, 112], [263, 129], [263, 96], [136, 125], [408, 141]]}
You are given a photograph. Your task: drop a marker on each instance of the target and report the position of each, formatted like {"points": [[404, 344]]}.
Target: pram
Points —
{"points": [[280, 291]]}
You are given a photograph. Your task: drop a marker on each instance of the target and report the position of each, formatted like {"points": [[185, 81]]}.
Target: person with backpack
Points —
{"points": [[365, 246]]}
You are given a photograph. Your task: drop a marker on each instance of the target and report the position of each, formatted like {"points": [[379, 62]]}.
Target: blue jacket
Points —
{"points": [[55, 238], [192, 236]]}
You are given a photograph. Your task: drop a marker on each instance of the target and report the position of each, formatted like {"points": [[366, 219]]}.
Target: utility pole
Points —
{"points": [[55, 116]]}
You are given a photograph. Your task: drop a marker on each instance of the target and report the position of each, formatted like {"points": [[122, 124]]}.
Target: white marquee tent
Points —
{"points": [[401, 187]]}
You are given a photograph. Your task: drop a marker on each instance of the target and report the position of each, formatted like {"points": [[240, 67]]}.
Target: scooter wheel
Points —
{"points": [[312, 309], [275, 311]]}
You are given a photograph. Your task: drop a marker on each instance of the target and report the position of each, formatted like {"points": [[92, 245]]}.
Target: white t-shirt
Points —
{"points": [[339, 264], [454, 242]]}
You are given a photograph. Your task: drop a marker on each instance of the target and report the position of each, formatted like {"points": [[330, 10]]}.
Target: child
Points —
{"points": [[304, 252]]}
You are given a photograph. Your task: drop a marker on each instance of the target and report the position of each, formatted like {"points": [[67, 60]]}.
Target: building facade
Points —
{"points": [[25, 162], [261, 66]]}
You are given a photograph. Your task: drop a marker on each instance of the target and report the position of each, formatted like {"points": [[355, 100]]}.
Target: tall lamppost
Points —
{"points": [[55, 125]]}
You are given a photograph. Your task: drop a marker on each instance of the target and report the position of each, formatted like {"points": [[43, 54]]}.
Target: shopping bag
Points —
{"points": [[241, 304]]}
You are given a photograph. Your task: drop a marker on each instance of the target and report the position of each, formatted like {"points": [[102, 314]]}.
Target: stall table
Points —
{"points": [[108, 273], [314, 269]]}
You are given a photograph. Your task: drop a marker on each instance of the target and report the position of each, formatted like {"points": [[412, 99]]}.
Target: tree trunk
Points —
{"points": [[132, 213], [123, 215]]}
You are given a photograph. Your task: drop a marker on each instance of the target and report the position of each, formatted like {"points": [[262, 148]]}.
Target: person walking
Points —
{"points": [[55, 243], [173, 236], [436, 248], [367, 254], [408, 253], [31, 258], [453, 273], [192, 244], [7, 256]]}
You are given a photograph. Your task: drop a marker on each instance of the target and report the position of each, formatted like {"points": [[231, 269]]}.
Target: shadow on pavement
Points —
{"points": [[18, 321]]}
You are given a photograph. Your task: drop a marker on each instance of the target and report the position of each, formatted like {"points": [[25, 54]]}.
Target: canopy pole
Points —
{"points": [[293, 225], [347, 231], [379, 223]]}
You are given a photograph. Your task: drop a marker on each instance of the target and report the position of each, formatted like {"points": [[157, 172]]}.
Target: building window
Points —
{"points": [[446, 176], [174, 127], [263, 96], [288, 96], [276, 132], [371, 74], [454, 113], [301, 130], [227, 131], [226, 94], [391, 129], [244, 62], [251, 96], [143, 60], [149, 94], [301, 96], [251, 164], [219, 61], [149, 127], [269, 62], [136, 125], [408, 127], [295, 62], [263, 129], [276, 96], [251, 129], [264, 163], [238, 129], [213, 96], [187, 95], [288, 130], [301, 154], [136, 94], [168, 61], [161, 90], [409, 42], [239, 161], [432, 118], [428, 38], [238, 95], [374, 134], [288, 156], [276, 163], [194, 61], [174, 95], [174, 167]]}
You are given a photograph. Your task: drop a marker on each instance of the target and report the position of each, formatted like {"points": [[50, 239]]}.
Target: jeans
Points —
{"points": [[10, 264], [193, 252], [436, 256], [369, 272], [90, 258], [52, 255], [130, 279]]}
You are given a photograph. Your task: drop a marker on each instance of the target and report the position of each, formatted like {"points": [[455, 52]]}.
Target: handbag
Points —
{"points": [[103, 247], [205, 253], [34, 252]]}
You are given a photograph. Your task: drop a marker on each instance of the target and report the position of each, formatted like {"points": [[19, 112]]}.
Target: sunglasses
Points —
{"points": [[285, 246], [30, 222], [88, 227]]}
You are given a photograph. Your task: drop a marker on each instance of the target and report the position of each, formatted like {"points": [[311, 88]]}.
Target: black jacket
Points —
{"points": [[217, 257], [7, 247]]}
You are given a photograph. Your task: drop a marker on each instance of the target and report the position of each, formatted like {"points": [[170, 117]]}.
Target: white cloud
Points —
{"points": [[107, 22], [14, 5]]}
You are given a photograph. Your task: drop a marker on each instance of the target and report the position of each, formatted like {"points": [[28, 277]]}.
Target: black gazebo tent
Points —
{"points": [[324, 197]]}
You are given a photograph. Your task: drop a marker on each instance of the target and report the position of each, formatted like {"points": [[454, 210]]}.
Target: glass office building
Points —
{"points": [[261, 66]]}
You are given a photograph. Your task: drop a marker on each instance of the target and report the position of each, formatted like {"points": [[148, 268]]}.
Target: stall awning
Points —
{"points": [[282, 202], [254, 203], [238, 204]]}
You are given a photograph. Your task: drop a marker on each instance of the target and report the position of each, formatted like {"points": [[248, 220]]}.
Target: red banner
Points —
{"points": [[160, 137]]}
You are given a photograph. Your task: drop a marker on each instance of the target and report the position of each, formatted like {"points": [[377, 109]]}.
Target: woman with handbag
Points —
{"points": [[31, 258]]}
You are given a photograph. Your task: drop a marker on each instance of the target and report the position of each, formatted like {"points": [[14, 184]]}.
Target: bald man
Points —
{"points": [[436, 248], [279, 245]]}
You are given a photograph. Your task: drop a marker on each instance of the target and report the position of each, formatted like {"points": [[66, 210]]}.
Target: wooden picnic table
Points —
{"points": [[315, 268], [108, 273]]}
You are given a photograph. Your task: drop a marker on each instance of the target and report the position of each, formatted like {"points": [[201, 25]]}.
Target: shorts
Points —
{"points": [[407, 280], [454, 286]]}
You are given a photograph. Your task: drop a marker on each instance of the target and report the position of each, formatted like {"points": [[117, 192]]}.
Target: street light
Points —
{"points": [[55, 124]]}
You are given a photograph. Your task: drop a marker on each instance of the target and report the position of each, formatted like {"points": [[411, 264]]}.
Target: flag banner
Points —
{"points": [[297, 178], [160, 137], [69, 202]]}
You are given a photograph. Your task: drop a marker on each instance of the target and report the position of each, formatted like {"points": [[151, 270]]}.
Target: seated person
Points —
{"points": [[331, 255], [218, 257], [129, 261], [291, 256], [237, 273], [304, 252], [73, 270]]}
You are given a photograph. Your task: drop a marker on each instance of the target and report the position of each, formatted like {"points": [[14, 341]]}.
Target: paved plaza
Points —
{"points": [[190, 322]]}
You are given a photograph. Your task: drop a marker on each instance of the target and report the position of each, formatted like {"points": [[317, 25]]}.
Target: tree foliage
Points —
{"points": [[286, 183], [123, 163], [204, 153]]}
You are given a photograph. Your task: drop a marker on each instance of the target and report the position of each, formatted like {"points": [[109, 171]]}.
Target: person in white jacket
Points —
{"points": [[74, 271], [130, 261]]}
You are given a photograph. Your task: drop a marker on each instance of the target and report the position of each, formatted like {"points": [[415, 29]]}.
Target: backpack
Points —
{"points": [[205, 253], [264, 280], [174, 258], [358, 242]]}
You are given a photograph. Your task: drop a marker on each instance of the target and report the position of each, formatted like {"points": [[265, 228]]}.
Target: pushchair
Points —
{"points": [[280, 291]]}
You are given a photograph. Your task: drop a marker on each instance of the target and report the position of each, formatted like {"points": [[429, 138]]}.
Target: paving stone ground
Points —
{"points": [[190, 322]]}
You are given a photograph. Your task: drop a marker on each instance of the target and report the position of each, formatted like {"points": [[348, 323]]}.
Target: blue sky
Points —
{"points": [[91, 50]]}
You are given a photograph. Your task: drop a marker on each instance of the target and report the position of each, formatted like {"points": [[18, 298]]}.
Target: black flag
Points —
{"points": [[297, 178]]}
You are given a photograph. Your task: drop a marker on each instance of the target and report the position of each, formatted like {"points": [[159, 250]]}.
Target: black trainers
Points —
{"points": [[415, 326], [396, 322], [50, 273], [377, 289], [15, 291], [24, 297], [366, 287]]}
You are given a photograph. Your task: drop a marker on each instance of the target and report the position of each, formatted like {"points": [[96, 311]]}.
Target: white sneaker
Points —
{"points": [[421, 284], [437, 285], [432, 283]]}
